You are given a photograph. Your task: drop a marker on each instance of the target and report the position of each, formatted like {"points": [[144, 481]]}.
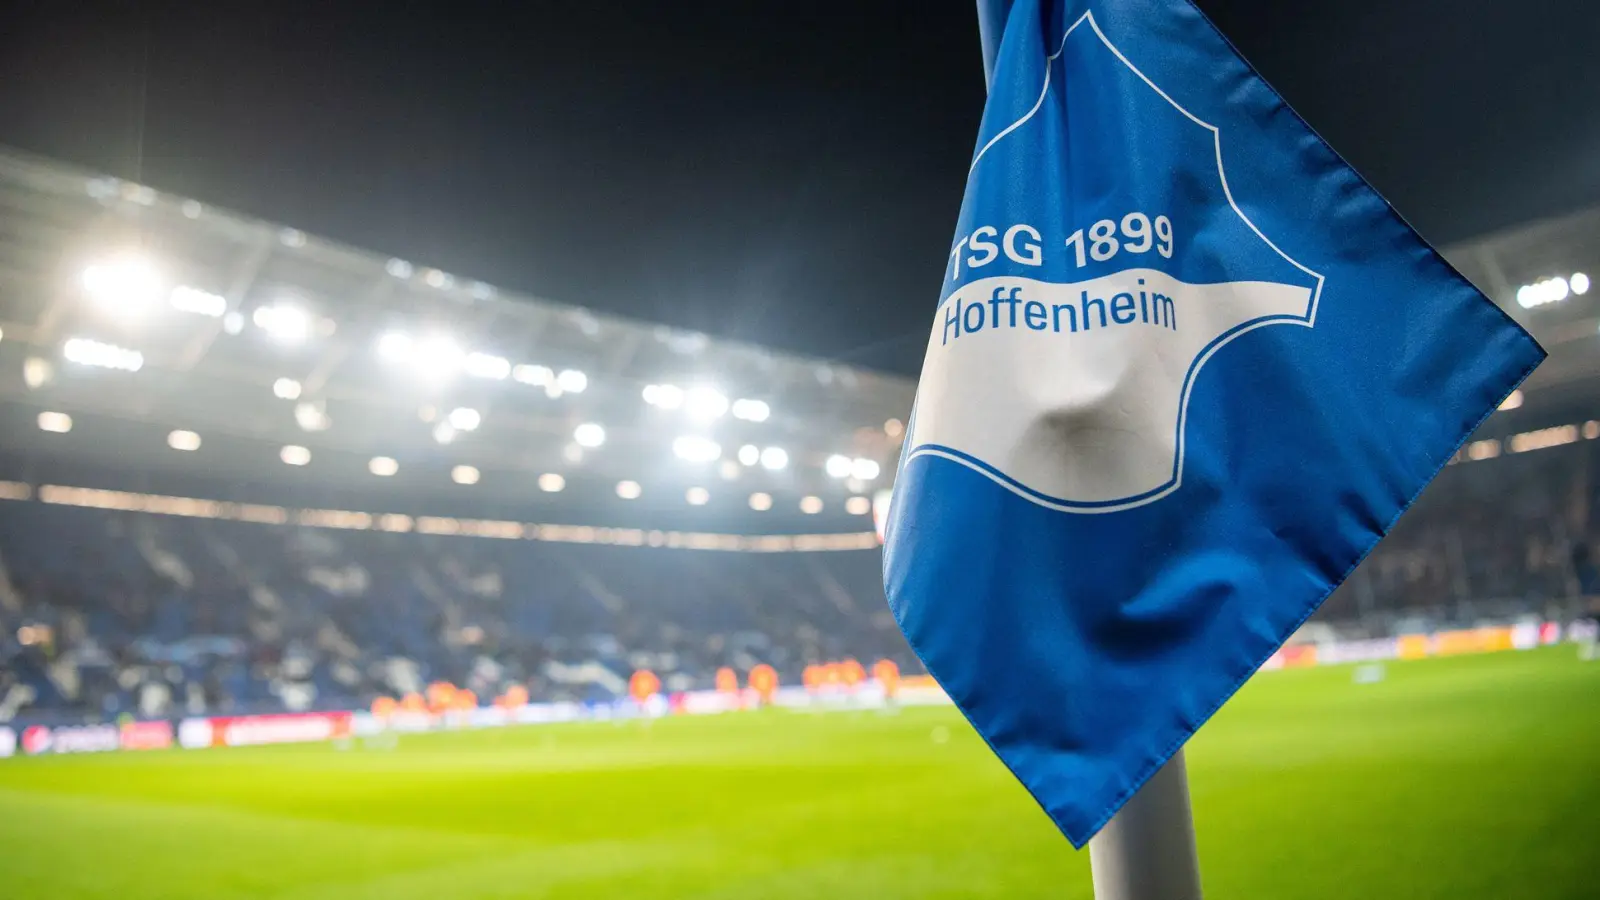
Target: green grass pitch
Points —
{"points": [[1472, 777]]}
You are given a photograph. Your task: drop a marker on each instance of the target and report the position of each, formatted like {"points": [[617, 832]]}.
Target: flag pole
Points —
{"points": [[1147, 850]]}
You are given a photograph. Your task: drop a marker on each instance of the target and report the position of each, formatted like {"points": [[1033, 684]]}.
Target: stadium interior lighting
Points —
{"points": [[572, 453], [629, 490], [894, 428], [86, 352], [774, 458], [233, 322], [464, 475], [749, 454], [760, 502], [311, 416], [838, 466], [697, 496], [382, 466], [183, 440], [294, 455], [1540, 293], [1579, 283], [864, 469], [858, 506], [398, 268], [694, 448], [486, 365], [36, 372], [286, 389], [729, 470], [811, 504], [551, 482], [292, 237], [126, 284], [193, 300], [55, 422], [589, 434], [538, 376], [444, 432], [663, 396], [285, 322], [1512, 400], [572, 381], [465, 418], [751, 410], [705, 403], [394, 346], [435, 358]]}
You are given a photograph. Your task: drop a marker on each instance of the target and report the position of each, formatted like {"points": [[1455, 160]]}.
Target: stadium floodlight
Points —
{"points": [[864, 469], [394, 346], [572, 381], [858, 506], [694, 448], [436, 357], [292, 237], [311, 416], [464, 475], [126, 284], [774, 458], [589, 434], [486, 365], [551, 482], [663, 396], [1512, 400], [193, 300], [538, 376], [233, 322], [480, 291], [294, 455], [811, 504], [629, 490], [705, 403], [728, 469], [37, 372], [286, 389], [1579, 283], [751, 410], [838, 466], [1546, 291], [894, 428], [465, 418], [444, 432], [399, 268], [285, 322], [183, 440], [749, 454], [697, 496], [192, 209], [572, 453], [760, 502], [55, 422], [382, 466], [437, 279], [87, 352]]}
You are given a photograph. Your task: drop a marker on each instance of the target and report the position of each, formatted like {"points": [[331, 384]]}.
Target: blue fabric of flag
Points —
{"points": [[1187, 368]]}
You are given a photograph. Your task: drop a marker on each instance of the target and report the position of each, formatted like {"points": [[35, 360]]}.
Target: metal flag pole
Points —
{"points": [[1147, 850]]}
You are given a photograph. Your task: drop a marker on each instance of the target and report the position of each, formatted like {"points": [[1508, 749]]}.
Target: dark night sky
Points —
{"points": [[787, 173]]}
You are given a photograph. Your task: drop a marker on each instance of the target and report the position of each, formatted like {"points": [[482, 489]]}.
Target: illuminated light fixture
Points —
{"points": [[1591, 430], [464, 475], [858, 506], [728, 469], [36, 372], [292, 237], [551, 483], [751, 410], [760, 502], [86, 352], [55, 422], [572, 381], [486, 365], [538, 376], [1540, 293], [126, 284], [437, 279], [382, 466], [629, 490], [286, 389], [465, 418], [589, 434], [774, 458], [855, 485], [480, 291], [183, 440], [193, 300], [1512, 400], [311, 416], [294, 455], [749, 454], [697, 496], [572, 453], [811, 504], [233, 322], [894, 428], [864, 469], [705, 404], [1579, 283], [444, 432], [399, 268], [694, 448], [663, 396], [838, 466], [394, 346], [192, 209], [286, 323], [436, 358]]}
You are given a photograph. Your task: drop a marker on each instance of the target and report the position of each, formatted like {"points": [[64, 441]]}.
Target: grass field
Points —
{"points": [[1473, 777]]}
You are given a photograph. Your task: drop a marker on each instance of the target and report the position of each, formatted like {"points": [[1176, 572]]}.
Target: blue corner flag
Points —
{"points": [[1186, 369]]}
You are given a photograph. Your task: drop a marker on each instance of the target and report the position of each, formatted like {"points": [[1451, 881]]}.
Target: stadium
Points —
{"points": [[325, 572]]}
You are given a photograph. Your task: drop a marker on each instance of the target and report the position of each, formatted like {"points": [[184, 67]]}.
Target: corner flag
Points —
{"points": [[1186, 369]]}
